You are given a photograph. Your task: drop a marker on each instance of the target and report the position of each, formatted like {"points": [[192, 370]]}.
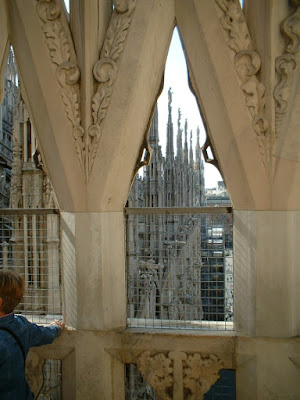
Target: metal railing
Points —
{"points": [[180, 268], [30, 245], [136, 388]]}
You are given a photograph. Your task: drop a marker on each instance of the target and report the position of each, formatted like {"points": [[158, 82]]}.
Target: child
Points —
{"points": [[17, 335]]}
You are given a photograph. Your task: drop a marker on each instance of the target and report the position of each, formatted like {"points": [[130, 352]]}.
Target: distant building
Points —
{"points": [[186, 253], [217, 195], [29, 243], [171, 180], [11, 92]]}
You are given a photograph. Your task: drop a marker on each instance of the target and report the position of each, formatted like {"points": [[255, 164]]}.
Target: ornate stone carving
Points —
{"points": [[106, 68], [286, 64], [179, 375], [158, 373], [49, 198], [247, 64], [16, 180], [62, 54], [199, 374]]}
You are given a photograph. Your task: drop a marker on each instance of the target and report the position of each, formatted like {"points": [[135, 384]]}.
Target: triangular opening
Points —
{"points": [[179, 252], [177, 136]]}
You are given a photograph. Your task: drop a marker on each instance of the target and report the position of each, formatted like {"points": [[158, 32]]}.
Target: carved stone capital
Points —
{"points": [[179, 375]]}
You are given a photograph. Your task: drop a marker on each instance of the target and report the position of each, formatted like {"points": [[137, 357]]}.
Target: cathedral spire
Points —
{"points": [[170, 146], [198, 149], [185, 151], [191, 149], [179, 136], [153, 132]]}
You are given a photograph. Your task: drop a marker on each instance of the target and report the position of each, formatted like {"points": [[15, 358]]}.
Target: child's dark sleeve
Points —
{"points": [[40, 335]]}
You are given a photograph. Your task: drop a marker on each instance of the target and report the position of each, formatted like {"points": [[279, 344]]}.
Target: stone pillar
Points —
{"points": [[52, 285], [267, 286], [268, 369], [93, 273], [267, 279], [93, 256]]}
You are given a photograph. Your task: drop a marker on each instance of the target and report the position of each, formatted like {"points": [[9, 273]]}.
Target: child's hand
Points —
{"points": [[59, 323]]}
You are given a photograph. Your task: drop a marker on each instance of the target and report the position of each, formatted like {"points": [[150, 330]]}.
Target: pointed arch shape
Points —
{"points": [[214, 82]]}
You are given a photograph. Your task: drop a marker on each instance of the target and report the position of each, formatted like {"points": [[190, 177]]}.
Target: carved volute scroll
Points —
{"points": [[247, 63], [179, 375], [286, 63], [62, 54]]}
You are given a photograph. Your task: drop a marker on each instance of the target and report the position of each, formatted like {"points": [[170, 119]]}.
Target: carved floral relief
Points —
{"points": [[157, 371], [199, 374], [178, 375], [62, 54], [247, 63], [286, 64]]}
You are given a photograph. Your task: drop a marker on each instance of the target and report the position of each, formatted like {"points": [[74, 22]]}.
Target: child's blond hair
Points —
{"points": [[11, 290]]}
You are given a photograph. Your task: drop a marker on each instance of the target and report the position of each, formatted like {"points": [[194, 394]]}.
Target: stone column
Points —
{"points": [[93, 273], [93, 256], [267, 308], [52, 284], [267, 279]]}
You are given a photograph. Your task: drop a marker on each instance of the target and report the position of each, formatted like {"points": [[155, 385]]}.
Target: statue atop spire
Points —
{"points": [[170, 148], [198, 149]]}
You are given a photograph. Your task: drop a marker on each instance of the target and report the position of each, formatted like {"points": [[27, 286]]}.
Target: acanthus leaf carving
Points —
{"points": [[68, 75], [62, 55], [233, 21], [247, 63], [178, 374], [286, 64], [57, 42], [199, 374], [157, 371], [106, 68]]}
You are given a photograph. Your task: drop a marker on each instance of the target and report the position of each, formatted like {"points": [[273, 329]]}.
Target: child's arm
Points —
{"points": [[40, 335]]}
